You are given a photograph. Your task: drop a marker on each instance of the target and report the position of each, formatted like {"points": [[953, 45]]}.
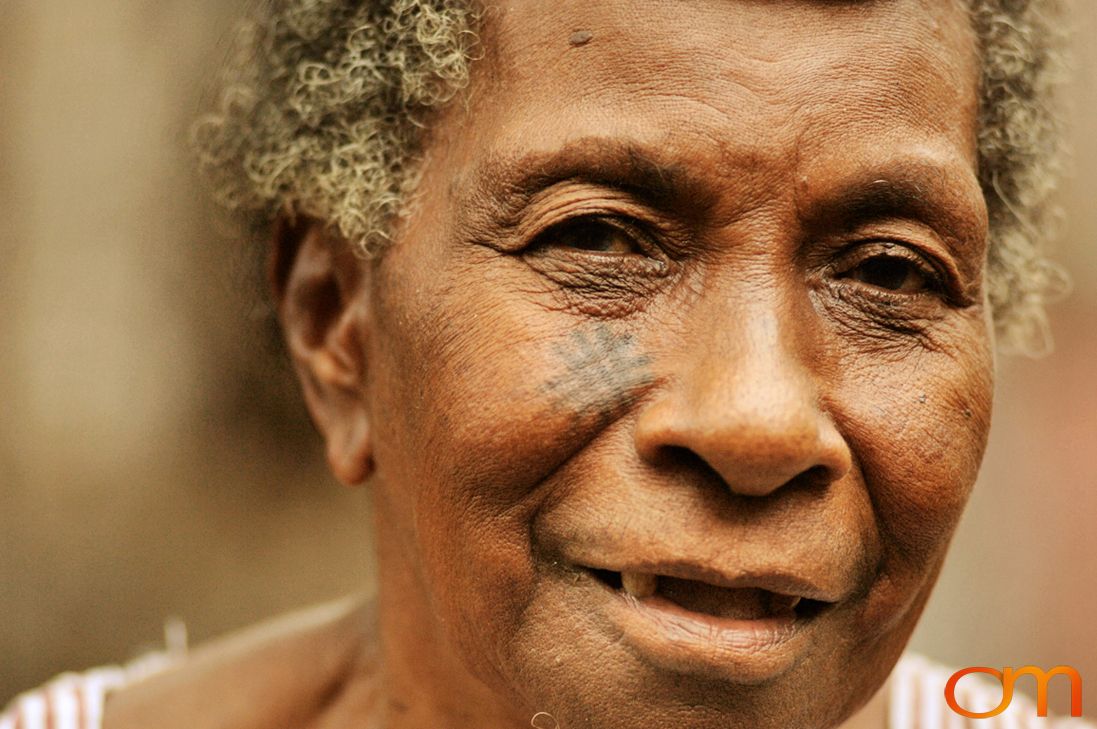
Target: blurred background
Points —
{"points": [[155, 462]]}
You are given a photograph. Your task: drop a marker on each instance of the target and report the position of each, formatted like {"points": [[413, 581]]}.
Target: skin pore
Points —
{"points": [[699, 300]]}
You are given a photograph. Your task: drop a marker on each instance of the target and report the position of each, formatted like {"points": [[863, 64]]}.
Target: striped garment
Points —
{"points": [[916, 700], [75, 701]]}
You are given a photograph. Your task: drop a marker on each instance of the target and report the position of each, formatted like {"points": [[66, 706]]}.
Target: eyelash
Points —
{"points": [[632, 230], [854, 256]]}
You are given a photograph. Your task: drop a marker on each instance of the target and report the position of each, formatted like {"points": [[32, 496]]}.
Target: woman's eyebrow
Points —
{"points": [[505, 183], [940, 193], [946, 199]]}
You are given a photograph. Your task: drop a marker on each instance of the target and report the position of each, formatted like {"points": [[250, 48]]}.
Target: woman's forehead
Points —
{"points": [[759, 33], [759, 78]]}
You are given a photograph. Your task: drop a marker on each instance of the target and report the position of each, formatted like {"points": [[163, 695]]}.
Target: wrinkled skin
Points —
{"points": [[699, 290]]}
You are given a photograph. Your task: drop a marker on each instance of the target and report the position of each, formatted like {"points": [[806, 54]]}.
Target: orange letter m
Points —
{"points": [[1042, 679]]}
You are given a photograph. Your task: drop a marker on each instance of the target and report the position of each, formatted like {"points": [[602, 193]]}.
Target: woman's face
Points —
{"points": [[679, 370]]}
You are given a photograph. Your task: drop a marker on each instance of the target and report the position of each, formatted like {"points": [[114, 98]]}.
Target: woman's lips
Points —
{"points": [[742, 634]]}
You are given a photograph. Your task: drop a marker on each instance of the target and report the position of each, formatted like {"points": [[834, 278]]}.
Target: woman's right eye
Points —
{"points": [[609, 264], [593, 235]]}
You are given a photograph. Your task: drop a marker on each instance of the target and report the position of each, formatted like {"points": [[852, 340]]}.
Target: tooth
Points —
{"points": [[779, 602], [639, 584]]}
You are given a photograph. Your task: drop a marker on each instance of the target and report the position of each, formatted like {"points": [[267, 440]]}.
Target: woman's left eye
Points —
{"points": [[593, 235], [892, 273]]}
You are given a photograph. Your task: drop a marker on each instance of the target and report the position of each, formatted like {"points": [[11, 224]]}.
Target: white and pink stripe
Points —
{"points": [[75, 701]]}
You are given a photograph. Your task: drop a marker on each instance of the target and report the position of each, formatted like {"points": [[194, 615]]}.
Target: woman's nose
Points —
{"points": [[746, 404]]}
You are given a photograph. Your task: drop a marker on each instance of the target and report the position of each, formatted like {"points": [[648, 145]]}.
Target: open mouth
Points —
{"points": [[736, 626], [695, 596]]}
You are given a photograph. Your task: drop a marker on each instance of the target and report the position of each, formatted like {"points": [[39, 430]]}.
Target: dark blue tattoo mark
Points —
{"points": [[603, 374]]}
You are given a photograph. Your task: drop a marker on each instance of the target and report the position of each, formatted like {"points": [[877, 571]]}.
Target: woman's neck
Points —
{"points": [[422, 679], [289, 672]]}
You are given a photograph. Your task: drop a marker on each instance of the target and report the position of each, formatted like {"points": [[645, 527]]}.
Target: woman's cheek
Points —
{"points": [[918, 428], [489, 393], [505, 397], [511, 394]]}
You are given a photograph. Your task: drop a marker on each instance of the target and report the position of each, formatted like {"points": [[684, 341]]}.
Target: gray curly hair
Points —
{"points": [[326, 105]]}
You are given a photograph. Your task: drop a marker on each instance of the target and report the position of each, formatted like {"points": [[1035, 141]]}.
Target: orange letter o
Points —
{"points": [[950, 693]]}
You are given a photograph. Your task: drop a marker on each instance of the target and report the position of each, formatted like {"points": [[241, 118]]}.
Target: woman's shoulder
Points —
{"points": [[76, 700], [283, 672], [917, 700]]}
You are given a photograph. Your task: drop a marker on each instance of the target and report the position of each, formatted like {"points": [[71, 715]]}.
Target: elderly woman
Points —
{"points": [[663, 334]]}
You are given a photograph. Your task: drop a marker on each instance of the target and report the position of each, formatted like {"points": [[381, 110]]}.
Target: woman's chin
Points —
{"points": [[601, 657]]}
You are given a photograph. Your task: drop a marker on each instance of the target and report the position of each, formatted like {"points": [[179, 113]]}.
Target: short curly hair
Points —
{"points": [[326, 104]]}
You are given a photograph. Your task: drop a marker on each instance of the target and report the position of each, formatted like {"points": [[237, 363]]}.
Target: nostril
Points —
{"points": [[677, 457], [689, 467], [814, 477]]}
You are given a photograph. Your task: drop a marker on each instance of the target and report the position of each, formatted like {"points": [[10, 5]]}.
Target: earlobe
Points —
{"points": [[350, 455], [321, 288]]}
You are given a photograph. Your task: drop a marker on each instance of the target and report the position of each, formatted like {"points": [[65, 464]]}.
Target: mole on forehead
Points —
{"points": [[580, 27]]}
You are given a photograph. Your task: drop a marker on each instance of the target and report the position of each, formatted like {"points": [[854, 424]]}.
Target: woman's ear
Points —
{"points": [[321, 292]]}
